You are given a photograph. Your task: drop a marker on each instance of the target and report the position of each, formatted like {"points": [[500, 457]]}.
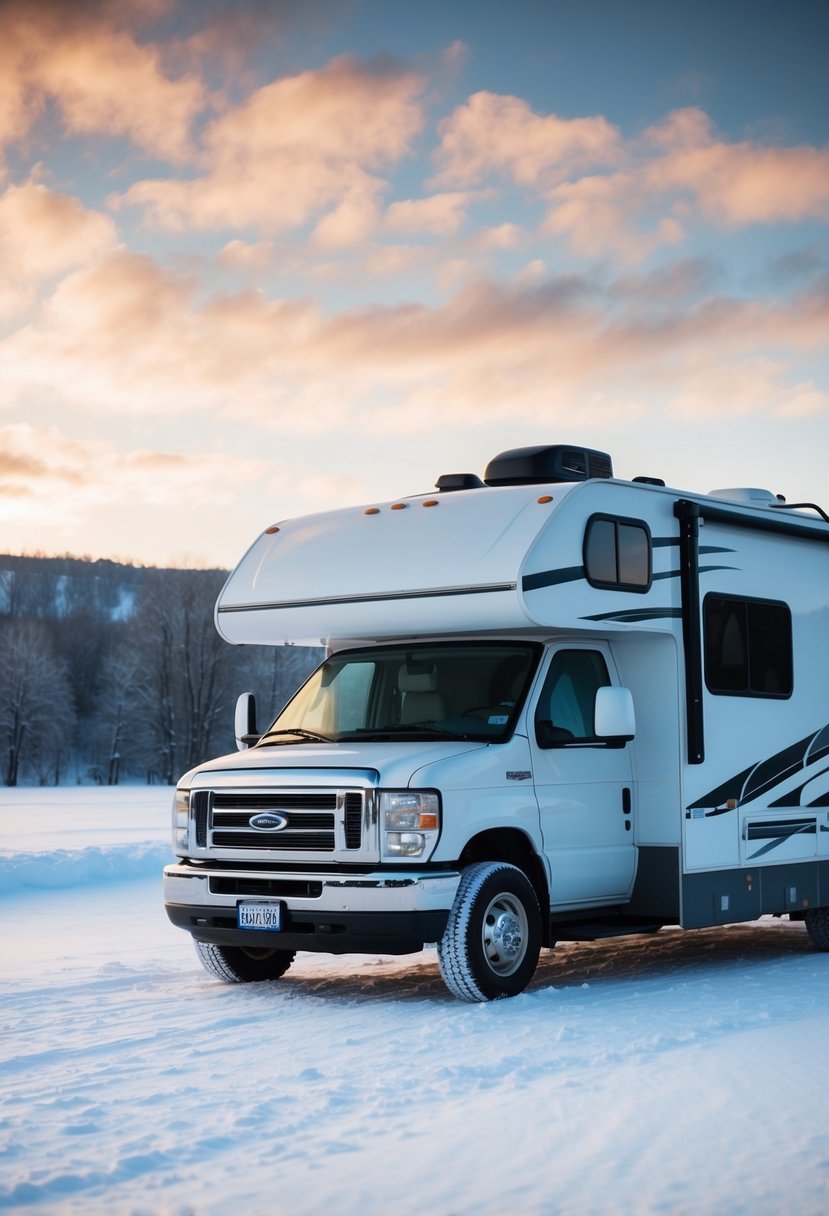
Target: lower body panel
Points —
{"points": [[345, 933], [721, 897], [378, 913]]}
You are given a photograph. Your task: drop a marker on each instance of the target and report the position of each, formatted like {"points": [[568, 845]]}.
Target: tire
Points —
{"points": [[241, 965], [817, 924], [490, 946]]}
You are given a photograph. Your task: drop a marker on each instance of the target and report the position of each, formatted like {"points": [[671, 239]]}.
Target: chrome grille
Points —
{"points": [[353, 820], [313, 818]]}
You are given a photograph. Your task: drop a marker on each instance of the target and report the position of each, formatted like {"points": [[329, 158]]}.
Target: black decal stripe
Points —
{"points": [[767, 848], [702, 570], [764, 775], [781, 829], [667, 542], [777, 834], [793, 797], [572, 574], [820, 747], [636, 614], [770, 773], [552, 578]]}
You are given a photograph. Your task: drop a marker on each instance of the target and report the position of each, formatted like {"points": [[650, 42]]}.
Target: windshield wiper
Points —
{"points": [[299, 731]]}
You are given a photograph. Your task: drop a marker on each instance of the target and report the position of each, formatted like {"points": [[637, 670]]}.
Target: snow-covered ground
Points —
{"points": [[687, 1073]]}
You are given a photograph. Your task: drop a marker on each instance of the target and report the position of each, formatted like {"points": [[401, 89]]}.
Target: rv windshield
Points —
{"points": [[457, 690]]}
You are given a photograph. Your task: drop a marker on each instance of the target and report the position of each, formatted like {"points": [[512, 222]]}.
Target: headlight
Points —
{"points": [[181, 821], [411, 822]]}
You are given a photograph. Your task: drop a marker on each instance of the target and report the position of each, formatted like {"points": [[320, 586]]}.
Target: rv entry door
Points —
{"points": [[583, 784]]}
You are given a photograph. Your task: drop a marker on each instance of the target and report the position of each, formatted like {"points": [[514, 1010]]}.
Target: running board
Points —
{"points": [[564, 928]]}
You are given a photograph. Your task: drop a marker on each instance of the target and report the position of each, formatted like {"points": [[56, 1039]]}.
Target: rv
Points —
{"points": [[556, 705]]}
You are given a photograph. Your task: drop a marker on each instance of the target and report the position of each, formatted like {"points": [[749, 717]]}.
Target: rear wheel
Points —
{"points": [[242, 964], [493, 936], [817, 924]]}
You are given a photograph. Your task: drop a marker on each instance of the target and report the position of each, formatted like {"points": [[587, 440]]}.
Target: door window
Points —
{"points": [[565, 710]]}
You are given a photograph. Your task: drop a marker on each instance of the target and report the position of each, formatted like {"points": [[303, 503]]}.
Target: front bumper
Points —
{"points": [[379, 912]]}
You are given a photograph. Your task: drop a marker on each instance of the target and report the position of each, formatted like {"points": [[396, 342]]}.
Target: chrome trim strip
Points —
{"points": [[374, 597]]}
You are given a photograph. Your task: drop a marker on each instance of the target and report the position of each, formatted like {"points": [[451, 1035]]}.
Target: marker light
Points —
{"points": [[181, 821]]}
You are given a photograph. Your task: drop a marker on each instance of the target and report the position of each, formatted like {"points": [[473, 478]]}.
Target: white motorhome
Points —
{"points": [[556, 706]]}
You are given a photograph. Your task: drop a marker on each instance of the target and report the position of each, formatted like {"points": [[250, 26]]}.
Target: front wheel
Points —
{"points": [[241, 964], [493, 936]]}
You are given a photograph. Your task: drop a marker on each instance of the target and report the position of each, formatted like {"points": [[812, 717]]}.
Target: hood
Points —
{"points": [[394, 763]]}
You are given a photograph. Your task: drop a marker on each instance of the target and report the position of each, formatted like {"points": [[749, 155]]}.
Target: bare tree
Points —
{"points": [[118, 737], [274, 673], [36, 707], [190, 670]]}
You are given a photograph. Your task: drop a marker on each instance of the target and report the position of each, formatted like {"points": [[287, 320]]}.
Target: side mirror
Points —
{"points": [[615, 719], [245, 722]]}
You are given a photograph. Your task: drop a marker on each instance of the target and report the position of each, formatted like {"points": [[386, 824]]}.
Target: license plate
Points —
{"points": [[265, 917]]}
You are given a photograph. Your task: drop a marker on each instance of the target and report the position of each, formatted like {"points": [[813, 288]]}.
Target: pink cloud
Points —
{"points": [[87, 59], [680, 173], [502, 135], [41, 463], [125, 336], [294, 150], [607, 195], [440, 214], [743, 183], [43, 234]]}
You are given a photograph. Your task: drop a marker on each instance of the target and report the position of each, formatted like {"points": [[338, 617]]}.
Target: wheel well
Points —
{"points": [[510, 845]]}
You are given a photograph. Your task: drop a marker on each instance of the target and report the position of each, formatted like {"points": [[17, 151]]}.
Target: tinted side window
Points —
{"points": [[564, 713], [748, 646], [617, 554], [600, 551]]}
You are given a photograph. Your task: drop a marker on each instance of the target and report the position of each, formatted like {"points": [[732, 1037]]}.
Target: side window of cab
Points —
{"points": [[565, 709]]}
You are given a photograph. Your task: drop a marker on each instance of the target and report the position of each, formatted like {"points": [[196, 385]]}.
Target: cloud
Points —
{"points": [[439, 215], [680, 174], [629, 197], [41, 465], [43, 234], [753, 386], [86, 59], [496, 134], [251, 258], [735, 184], [354, 218], [128, 337], [303, 147]]}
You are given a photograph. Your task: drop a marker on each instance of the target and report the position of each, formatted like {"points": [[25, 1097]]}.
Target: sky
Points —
{"points": [[268, 258]]}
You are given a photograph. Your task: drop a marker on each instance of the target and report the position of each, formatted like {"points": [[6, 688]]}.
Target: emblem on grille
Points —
{"points": [[269, 821]]}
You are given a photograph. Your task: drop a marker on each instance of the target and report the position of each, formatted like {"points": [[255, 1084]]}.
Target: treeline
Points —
{"points": [[112, 673]]}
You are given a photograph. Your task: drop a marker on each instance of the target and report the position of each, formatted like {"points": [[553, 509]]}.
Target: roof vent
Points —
{"points": [[749, 496], [534, 466], [458, 481]]}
